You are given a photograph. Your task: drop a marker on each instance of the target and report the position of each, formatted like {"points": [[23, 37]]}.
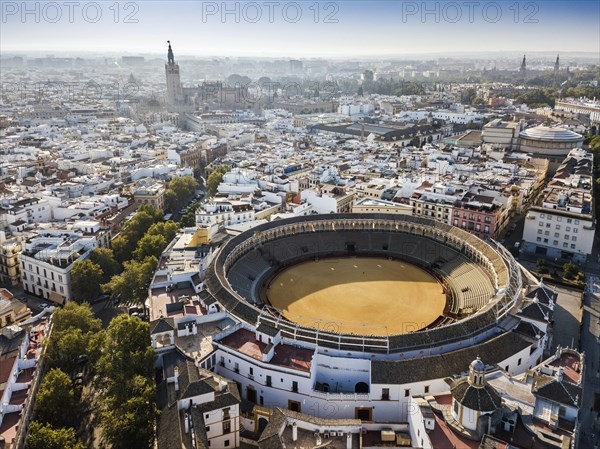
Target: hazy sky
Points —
{"points": [[302, 28]]}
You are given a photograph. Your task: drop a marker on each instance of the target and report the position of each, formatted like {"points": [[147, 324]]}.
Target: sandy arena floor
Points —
{"points": [[360, 295]]}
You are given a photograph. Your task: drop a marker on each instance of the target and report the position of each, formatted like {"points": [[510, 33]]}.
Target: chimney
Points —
{"points": [[559, 374], [348, 440], [186, 423], [294, 432], [176, 375]]}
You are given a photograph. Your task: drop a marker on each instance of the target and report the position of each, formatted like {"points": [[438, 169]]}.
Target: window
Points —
{"points": [[575, 230], [226, 413], [555, 242], [226, 444], [407, 392], [576, 221], [558, 218], [568, 229], [565, 245], [207, 429], [539, 239], [227, 427], [541, 223], [542, 215], [574, 238], [547, 225], [385, 394], [567, 237], [539, 231], [557, 234], [519, 362], [558, 227], [251, 371], [426, 388], [295, 386], [572, 246], [569, 220], [547, 233], [545, 240]]}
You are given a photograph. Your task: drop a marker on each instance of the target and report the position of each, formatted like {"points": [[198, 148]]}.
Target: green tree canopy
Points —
{"points": [[105, 259], [125, 383], [215, 178], [56, 400], [179, 192], [133, 230], [129, 425], [76, 316], [150, 245], [75, 332], [46, 437], [167, 229], [132, 284], [86, 277]]}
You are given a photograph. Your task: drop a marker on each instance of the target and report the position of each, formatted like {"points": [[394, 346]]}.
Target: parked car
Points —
{"points": [[100, 298], [43, 305]]}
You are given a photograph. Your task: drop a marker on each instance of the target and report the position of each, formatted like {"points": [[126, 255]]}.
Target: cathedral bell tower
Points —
{"points": [[174, 91]]}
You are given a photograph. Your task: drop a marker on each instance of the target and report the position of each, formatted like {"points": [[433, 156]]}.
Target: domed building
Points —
{"points": [[552, 143], [473, 397]]}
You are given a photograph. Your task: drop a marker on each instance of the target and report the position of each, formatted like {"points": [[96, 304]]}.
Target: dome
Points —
{"points": [[477, 365], [550, 134], [483, 399]]}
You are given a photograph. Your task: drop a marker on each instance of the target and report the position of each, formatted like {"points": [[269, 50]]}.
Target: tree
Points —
{"points": [[150, 245], [542, 266], [215, 178], [183, 187], [570, 270], [132, 284], [86, 277], [130, 424], [56, 400], [167, 229], [133, 230], [105, 259], [75, 316], [46, 437], [127, 352], [125, 383], [171, 203], [75, 332]]}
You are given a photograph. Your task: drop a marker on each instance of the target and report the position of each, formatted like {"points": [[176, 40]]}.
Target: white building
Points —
{"points": [[47, 259], [561, 223]]}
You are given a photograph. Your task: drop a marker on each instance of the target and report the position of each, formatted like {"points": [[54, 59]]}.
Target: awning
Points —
{"points": [[55, 297]]}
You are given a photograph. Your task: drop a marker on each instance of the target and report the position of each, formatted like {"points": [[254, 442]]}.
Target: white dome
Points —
{"points": [[548, 133], [477, 365]]}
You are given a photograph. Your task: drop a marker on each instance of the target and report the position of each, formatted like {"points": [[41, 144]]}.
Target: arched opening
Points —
{"points": [[361, 387], [262, 423]]}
